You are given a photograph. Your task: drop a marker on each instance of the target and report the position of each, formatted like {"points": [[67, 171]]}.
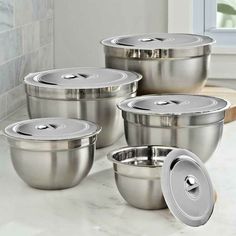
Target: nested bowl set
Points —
{"points": [[170, 131]]}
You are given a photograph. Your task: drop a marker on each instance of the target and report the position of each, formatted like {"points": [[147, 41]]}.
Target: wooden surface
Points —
{"points": [[227, 94]]}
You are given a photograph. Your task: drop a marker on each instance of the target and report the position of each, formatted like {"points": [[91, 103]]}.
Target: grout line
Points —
{"points": [[10, 90], [35, 50], [24, 25], [13, 112]]}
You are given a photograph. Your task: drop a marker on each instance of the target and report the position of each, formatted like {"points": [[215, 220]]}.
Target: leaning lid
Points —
{"points": [[187, 188], [50, 129], [84, 80], [178, 104], [161, 41]]}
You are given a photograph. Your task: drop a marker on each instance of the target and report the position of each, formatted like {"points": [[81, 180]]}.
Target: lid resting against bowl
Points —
{"points": [[176, 105], [185, 182], [51, 129], [83, 82], [158, 45], [187, 188]]}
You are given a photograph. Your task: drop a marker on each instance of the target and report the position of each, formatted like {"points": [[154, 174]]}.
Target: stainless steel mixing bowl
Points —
{"points": [[138, 175], [52, 153], [84, 93], [169, 63], [149, 177], [191, 122]]}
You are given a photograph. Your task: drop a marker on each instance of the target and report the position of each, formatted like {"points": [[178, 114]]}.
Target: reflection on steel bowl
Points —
{"points": [[169, 63], [191, 122], [83, 93], [52, 153]]}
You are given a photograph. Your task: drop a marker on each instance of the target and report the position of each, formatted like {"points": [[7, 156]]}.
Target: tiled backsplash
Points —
{"points": [[26, 45]]}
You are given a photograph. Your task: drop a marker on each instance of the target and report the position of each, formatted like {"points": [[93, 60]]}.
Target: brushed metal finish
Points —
{"points": [[179, 75], [138, 175], [148, 194], [158, 45], [103, 112], [192, 122], [53, 169], [201, 140]]}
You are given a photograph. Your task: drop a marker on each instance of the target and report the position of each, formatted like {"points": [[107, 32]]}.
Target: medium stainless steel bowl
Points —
{"points": [[85, 93], [169, 63], [52, 153], [192, 122], [149, 177]]}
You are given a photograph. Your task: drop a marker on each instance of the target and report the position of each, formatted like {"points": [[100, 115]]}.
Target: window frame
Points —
{"points": [[188, 16], [206, 25]]}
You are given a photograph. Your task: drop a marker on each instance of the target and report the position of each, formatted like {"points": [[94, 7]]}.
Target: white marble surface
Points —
{"points": [[26, 45], [6, 14], [95, 207]]}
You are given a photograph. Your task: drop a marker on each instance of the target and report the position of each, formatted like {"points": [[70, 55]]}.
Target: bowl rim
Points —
{"points": [[114, 161]]}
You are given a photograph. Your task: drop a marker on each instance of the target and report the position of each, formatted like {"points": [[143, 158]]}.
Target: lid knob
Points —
{"points": [[43, 127], [69, 76], [192, 186], [175, 102], [75, 76], [146, 40], [162, 103]]}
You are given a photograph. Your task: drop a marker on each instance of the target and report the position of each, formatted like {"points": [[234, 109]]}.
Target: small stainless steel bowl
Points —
{"points": [[192, 122], [169, 63], [149, 177], [84, 93], [52, 153], [138, 175]]}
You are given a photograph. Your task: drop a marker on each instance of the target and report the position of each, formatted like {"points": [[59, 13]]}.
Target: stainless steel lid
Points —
{"points": [[50, 129], [187, 188], [86, 82], [158, 45], [177, 105]]}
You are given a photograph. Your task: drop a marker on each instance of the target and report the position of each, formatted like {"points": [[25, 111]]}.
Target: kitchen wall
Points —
{"points": [[26, 45], [80, 25]]}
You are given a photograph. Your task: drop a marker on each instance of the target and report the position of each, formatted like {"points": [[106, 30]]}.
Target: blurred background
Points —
{"points": [[226, 13]]}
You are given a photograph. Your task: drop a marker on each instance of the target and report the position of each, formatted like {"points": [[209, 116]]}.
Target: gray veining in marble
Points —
{"points": [[32, 10], [3, 106], [95, 207], [23, 12], [26, 45], [10, 45], [13, 103], [27, 64], [6, 15], [7, 76], [46, 31], [31, 37], [46, 57]]}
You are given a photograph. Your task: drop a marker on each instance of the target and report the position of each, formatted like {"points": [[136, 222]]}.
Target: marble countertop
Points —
{"points": [[95, 207]]}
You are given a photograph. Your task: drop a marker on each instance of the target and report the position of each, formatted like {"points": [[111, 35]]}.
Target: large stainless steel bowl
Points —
{"points": [[149, 177], [191, 122], [84, 93], [52, 153], [169, 63]]}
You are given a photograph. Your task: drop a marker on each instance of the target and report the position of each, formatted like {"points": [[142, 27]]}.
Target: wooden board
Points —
{"points": [[227, 94]]}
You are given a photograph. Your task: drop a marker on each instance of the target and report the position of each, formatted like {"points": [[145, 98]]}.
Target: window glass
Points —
{"points": [[226, 14]]}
